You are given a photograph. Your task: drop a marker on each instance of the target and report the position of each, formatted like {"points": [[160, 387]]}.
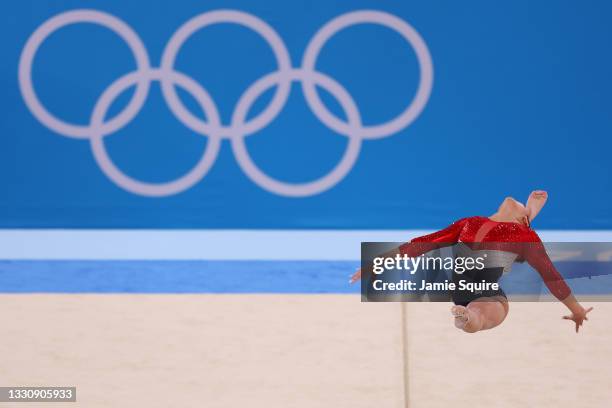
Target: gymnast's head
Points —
{"points": [[512, 210]]}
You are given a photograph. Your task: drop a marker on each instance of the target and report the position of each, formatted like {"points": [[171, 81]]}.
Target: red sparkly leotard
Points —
{"points": [[509, 237]]}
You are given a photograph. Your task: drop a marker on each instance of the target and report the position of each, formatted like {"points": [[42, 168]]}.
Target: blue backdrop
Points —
{"points": [[520, 100]]}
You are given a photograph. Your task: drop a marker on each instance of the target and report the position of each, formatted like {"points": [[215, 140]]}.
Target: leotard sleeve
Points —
{"points": [[447, 236], [535, 254]]}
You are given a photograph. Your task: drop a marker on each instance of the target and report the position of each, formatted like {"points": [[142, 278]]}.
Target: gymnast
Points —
{"points": [[508, 237]]}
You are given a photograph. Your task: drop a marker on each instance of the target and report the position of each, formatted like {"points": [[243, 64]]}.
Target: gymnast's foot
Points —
{"points": [[535, 202], [461, 314]]}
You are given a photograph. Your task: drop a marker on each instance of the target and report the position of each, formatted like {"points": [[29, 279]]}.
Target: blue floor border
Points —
{"points": [[258, 276]]}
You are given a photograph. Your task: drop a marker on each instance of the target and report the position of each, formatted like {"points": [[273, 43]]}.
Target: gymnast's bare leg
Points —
{"points": [[535, 202], [481, 314]]}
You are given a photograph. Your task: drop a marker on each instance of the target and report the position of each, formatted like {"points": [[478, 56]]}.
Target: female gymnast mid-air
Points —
{"points": [[508, 237]]}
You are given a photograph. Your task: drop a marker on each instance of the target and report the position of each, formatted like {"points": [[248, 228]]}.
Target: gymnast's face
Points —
{"points": [[515, 211]]}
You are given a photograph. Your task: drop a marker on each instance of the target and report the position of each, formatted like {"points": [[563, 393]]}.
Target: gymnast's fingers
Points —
{"points": [[356, 276]]}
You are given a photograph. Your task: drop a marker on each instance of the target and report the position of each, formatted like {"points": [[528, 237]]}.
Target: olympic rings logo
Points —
{"points": [[240, 127]]}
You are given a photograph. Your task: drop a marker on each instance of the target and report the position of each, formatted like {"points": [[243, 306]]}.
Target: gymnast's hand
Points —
{"points": [[578, 316], [356, 276]]}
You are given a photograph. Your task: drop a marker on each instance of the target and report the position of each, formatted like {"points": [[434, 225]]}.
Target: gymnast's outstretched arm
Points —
{"points": [[536, 256], [420, 245]]}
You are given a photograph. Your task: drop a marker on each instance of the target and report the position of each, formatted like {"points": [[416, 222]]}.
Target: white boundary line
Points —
{"points": [[218, 244]]}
